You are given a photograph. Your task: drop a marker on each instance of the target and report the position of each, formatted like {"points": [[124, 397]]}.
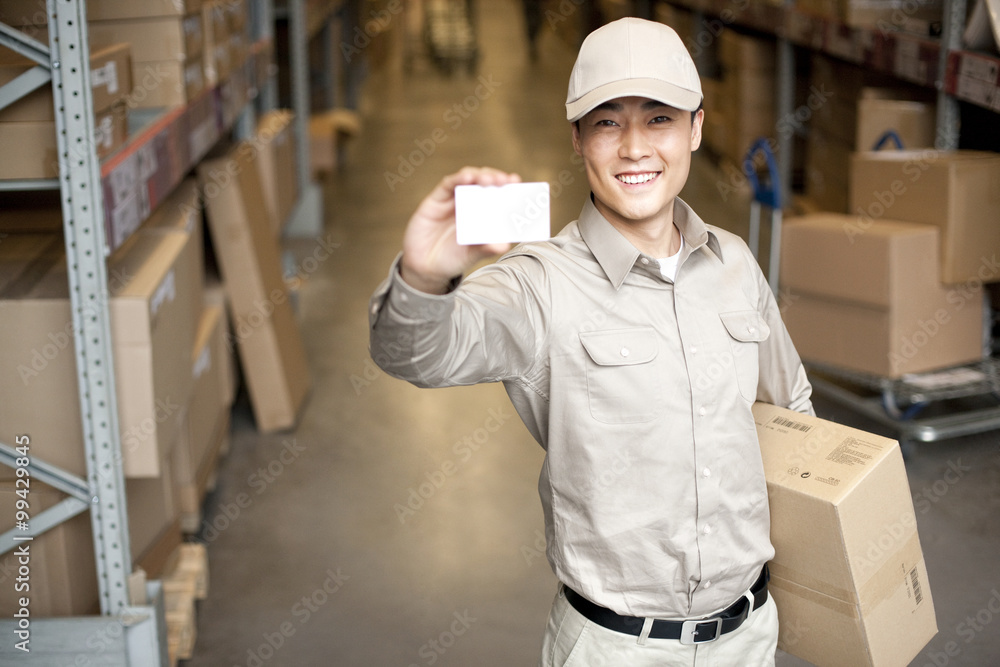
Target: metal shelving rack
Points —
{"points": [[102, 204], [956, 74]]}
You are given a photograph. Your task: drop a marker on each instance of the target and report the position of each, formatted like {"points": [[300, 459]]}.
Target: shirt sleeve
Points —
{"points": [[489, 327], [783, 379]]}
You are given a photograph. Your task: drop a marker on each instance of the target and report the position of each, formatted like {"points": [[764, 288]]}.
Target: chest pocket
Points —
{"points": [[623, 386], [747, 329]]}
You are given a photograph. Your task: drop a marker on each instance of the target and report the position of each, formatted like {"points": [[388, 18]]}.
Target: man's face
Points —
{"points": [[637, 153]]}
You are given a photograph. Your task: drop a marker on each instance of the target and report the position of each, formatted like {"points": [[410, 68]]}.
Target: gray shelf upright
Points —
{"points": [[140, 636]]}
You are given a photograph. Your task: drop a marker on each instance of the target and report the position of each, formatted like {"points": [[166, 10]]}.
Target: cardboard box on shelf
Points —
{"points": [[957, 191], [912, 121], [129, 9], [887, 14], [167, 83], [216, 55], [181, 213], [150, 318], [868, 298], [34, 143], [848, 571], [264, 325], [739, 51], [110, 82], [207, 416], [152, 39], [63, 571], [276, 165], [152, 507]]}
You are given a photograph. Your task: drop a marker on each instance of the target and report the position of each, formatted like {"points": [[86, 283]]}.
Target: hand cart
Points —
{"points": [[921, 407], [765, 194]]}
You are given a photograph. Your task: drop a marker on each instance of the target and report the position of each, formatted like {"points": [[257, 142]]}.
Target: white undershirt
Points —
{"points": [[668, 265]]}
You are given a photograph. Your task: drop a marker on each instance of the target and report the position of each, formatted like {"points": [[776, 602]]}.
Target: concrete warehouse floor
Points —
{"points": [[317, 565]]}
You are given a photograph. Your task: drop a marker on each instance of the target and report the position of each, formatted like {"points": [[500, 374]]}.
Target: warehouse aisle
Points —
{"points": [[399, 526]]}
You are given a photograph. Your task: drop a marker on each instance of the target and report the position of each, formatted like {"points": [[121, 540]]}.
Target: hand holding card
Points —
{"points": [[512, 213]]}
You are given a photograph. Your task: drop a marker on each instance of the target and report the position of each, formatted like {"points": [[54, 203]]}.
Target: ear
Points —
{"points": [[696, 124], [577, 141]]}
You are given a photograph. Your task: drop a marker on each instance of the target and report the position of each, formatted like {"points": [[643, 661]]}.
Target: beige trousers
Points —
{"points": [[573, 641]]}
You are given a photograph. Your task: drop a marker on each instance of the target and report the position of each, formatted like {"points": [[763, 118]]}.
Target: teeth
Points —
{"points": [[635, 179]]}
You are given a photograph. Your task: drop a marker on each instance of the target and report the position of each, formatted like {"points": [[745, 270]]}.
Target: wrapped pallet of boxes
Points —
{"points": [[848, 575], [266, 333], [167, 40], [956, 191], [152, 336], [869, 298], [63, 579], [28, 128]]}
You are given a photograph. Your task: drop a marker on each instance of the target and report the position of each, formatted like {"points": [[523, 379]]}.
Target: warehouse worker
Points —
{"points": [[632, 345]]}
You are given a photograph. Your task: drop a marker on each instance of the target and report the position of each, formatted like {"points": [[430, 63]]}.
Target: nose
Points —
{"points": [[634, 144]]}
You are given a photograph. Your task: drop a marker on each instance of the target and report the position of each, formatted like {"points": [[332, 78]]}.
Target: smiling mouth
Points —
{"points": [[637, 179]]}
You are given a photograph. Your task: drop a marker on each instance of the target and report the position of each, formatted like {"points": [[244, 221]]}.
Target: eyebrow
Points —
{"points": [[618, 106]]}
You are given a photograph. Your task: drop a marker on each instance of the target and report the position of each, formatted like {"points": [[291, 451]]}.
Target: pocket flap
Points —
{"points": [[746, 326], [621, 347]]}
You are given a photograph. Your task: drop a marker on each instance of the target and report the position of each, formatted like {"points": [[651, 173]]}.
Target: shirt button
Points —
{"points": [[706, 472], [625, 352], [375, 309], [701, 411], [694, 350], [707, 584], [644, 260], [707, 529], [749, 329]]}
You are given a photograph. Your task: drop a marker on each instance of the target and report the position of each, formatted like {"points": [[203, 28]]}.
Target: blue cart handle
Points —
{"points": [[768, 195], [890, 135]]}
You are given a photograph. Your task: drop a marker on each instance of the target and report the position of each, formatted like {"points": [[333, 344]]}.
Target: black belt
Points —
{"points": [[688, 632]]}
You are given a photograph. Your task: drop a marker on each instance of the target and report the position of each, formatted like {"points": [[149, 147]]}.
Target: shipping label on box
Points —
{"points": [[848, 575]]}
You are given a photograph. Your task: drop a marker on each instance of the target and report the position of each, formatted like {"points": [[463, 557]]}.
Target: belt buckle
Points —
{"points": [[697, 632]]}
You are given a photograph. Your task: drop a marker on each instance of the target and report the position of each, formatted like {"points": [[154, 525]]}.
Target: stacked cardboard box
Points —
{"points": [[215, 51], [27, 127], [866, 295], [848, 574], [879, 112], [956, 191], [167, 39], [153, 329]]}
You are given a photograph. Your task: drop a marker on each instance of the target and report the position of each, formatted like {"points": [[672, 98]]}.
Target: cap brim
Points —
{"points": [[654, 89]]}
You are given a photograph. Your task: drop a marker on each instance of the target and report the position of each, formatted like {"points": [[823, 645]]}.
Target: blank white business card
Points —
{"points": [[514, 213]]}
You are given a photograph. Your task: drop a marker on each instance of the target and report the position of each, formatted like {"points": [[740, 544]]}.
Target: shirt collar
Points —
{"points": [[617, 255]]}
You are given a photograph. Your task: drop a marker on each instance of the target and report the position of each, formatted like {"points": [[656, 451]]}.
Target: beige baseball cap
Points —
{"points": [[632, 57]]}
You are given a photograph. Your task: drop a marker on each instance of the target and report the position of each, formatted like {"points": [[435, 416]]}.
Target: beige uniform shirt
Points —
{"points": [[638, 388]]}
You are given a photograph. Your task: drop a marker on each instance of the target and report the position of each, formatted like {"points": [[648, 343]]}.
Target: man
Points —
{"points": [[633, 345]]}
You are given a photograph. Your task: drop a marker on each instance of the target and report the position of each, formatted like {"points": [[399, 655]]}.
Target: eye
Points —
{"points": [[605, 122], [662, 119]]}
